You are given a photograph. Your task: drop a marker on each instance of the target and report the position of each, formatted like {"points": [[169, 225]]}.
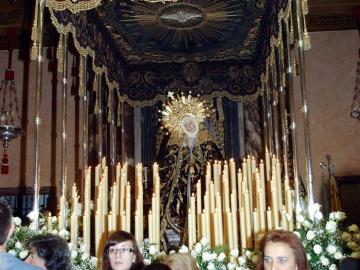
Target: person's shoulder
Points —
{"points": [[8, 262]]}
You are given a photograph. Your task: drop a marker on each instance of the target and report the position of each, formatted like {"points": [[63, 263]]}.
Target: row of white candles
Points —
{"points": [[233, 209]]}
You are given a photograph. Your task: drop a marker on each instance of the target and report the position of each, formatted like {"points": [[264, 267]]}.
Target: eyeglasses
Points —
{"points": [[121, 250]]}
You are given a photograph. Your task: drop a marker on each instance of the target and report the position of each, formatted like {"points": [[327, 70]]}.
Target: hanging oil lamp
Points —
{"points": [[10, 126]]}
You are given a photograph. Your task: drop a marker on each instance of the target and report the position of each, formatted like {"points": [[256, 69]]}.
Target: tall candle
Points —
{"points": [[248, 219], [269, 218], [243, 231]]}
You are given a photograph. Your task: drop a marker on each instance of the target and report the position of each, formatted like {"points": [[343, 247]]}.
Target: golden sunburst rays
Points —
{"points": [[177, 107], [183, 23]]}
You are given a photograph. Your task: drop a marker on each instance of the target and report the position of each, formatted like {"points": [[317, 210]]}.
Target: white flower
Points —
{"points": [[308, 256], [32, 226], [211, 266], [204, 241], [82, 247], [221, 257], [33, 215], [331, 249], [337, 216], [17, 221], [325, 261], [307, 224], [18, 245], [85, 256], [93, 260], [317, 249], [297, 234], [193, 253], [198, 247], [23, 254], [338, 255], [74, 253], [152, 250], [310, 235], [183, 249], [353, 228], [331, 226], [12, 251], [206, 256], [70, 245], [346, 236], [234, 252], [248, 253], [241, 260], [63, 233], [147, 261], [213, 256], [172, 251], [319, 215], [300, 219], [231, 266], [333, 267]]}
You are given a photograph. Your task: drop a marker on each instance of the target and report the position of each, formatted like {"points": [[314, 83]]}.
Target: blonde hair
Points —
{"points": [[181, 261]]}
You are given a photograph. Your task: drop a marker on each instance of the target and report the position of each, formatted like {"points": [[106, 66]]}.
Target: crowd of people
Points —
{"points": [[277, 250]]}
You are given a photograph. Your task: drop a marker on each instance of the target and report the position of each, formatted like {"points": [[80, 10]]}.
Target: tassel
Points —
{"points": [[5, 164]]}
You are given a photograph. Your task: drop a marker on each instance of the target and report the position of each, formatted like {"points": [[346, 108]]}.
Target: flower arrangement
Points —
{"points": [[80, 259], [351, 236], [150, 252], [322, 239]]}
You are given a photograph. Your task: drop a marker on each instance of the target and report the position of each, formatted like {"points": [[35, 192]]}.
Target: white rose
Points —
{"points": [[231, 266], [53, 219], [346, 236], [307, 224], [85, 256], [73, 254], [353, 228], [325, 261], [204, 241], [340, 215], [338, 255], [32, 226], [152, 250], [331, 226], [206, 256], [211, 266], [300, 219], [213, 256], [172, 251], [198, 247], [12, 252], [82, 247], [23, 254], [331, 249], [147, 261], [308, 256], [93, 261], [17, 221], [319, 215], [18, 245], [234, 252], [241, 260], [183, 249], [248, 254], [221, 257], [32, 215], [193, 253], [317, 249], [310, 235], [333, 267]]}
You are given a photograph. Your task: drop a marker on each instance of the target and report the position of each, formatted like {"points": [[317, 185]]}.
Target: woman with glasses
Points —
{"points": [[121, 252]]}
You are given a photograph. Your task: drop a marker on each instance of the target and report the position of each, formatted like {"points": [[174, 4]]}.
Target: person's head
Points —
{"points": [[281, 250], [6, 225], [181, 261], [157, 266], [121, 252], [49, 251]]}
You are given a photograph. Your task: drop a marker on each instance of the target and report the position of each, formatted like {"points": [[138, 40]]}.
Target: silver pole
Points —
{"points": [[290, 86], [283, 114], [64, 119], [85, 116], [264, 112], [38, 91], [269, 116], [305, 108], [100, 120], [112, 131], [275, 110]]}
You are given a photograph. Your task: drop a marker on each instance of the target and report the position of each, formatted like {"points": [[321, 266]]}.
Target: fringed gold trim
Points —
{"points": [[82, 51], [307, 43], [97, 92], [73, 6], [81, 76], [219, 107], [110, 106], [118, 120], [60, 54], [305, 7], [35, 33]]}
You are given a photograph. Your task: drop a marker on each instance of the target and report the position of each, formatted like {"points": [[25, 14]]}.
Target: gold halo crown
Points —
{"points": [[176, 107]]}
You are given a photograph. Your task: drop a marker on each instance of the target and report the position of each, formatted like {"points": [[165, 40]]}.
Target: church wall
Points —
{"points": [[21, 150], [330, 75]]}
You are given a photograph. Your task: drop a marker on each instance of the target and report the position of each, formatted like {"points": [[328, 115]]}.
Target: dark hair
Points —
{"points": [[288, 238], [157, 266], [6, 219], [119, 237], [53, 249]]}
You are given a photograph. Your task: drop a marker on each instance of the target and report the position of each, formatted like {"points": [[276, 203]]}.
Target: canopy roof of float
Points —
{"points": [[142, 44]]}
